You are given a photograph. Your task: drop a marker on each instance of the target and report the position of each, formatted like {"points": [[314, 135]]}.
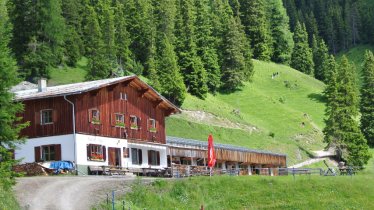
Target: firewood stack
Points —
{"points": [[32, 169]]}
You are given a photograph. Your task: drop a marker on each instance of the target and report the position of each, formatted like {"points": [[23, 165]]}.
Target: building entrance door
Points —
{"points": [[114, 157]]}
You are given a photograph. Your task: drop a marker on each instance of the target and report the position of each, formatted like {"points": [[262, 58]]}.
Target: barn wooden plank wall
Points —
{"points": [[231, 156]]}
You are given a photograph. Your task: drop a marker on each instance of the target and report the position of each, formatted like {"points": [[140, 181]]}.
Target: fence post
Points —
{"points": [[113, 200], [107, 199], [123, 205]]}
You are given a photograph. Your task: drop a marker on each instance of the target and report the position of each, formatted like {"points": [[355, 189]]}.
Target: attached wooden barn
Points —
{"points": [[182, 152]]}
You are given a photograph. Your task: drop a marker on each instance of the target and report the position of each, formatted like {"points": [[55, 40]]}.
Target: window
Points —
{"points": [[46, 117], [94, 116], [153, 158], [126, 152], [96, 152], [152, 125], [119, 120], [134, 122], [136, 156], [47, 152], [123, 96]]}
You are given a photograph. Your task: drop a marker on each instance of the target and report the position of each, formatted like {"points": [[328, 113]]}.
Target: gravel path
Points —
{"points": [[69, 192], [308, 162]]}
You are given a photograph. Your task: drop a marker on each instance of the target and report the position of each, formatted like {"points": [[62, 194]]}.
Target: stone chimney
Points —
{"points": [[42, 85]]}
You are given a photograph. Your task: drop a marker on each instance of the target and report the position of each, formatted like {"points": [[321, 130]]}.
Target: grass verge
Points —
{"points": [[255, 192]]}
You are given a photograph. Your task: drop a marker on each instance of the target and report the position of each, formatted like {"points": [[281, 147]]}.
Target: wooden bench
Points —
{"points": [[95, 170]]}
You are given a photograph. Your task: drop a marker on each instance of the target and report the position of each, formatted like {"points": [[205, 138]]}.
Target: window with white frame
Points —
{"points": [[46, 116], [119, 120], [153, 158], [136, 156], [95, 152], [152, 125], [123, 96], [134, 122]]}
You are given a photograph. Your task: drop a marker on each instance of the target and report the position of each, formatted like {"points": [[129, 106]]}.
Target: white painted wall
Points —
{"points": [[26, 151], [83, 140], [145, 148]]}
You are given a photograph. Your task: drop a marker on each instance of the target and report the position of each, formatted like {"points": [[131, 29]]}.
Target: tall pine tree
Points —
{"points": [[194, 74], [320, 56], [280, 31], [122, 38], [346, 135], [99, 66], [253, 17], [367, 98], [170, 78], [9, 129], [205, 42], [302, 57]]}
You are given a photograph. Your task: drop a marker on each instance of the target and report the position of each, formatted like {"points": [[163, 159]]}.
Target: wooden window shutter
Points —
{"points": [[89, 115], [140, 155], [104, 153], [113, 119], [149, 157], [54, 116], [158, 158], [37, 118], [37, 154], [139, 120], [88, 152], [57, 151]]}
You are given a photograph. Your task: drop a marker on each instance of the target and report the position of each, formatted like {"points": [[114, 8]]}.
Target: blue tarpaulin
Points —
{"points": [[61, 165]]}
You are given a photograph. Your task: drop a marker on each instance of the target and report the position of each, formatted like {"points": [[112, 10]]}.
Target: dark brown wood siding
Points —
{"points": [[231, 155], [62, 117], [107, 101]]}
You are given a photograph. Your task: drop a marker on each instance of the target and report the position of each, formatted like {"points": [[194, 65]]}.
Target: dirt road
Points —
{"points": [[68, 192]]}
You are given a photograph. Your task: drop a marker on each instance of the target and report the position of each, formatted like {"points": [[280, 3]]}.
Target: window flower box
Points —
{"points": [[134, 126], [153, 130], [95, 121], [97, 157], [120, 124]]}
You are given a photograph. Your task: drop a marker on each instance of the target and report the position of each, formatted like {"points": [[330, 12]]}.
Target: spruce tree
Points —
{"points": [[282, 36], [302, 57], [170, 78], [73, 47], [195, 77], [122, 38], [253, 17], [205, 42], [9, 120], [330, 93], [234, 63], [345, 135], [38, 36], [367, 98], [320, 56], [138, 18], [99, 66], [106, 22]]}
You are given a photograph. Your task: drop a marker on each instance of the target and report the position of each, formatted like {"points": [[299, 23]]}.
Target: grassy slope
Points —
{"points": [[356, 55], [256, 192], [260, 105], [68, 75]]}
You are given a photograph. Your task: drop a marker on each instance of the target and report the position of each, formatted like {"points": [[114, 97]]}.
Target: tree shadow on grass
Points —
{"points": [[317, 97]]}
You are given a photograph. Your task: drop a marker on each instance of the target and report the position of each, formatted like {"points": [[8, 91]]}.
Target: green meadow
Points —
{"points": [[254, 192]]}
